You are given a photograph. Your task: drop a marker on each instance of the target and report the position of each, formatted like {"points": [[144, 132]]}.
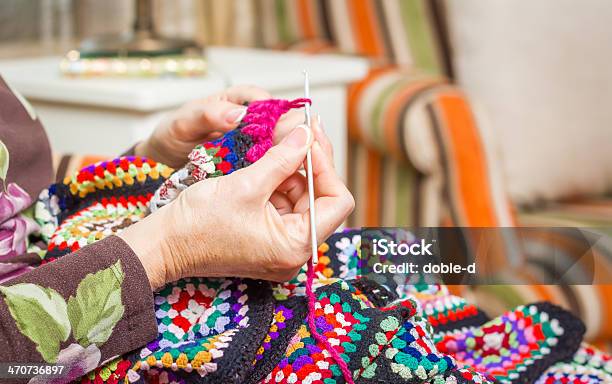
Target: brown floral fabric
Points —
{"points": [[78, 311]]}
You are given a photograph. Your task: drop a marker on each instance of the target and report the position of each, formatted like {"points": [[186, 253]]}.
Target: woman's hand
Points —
{"points": [[204, 120], [252, 223]]}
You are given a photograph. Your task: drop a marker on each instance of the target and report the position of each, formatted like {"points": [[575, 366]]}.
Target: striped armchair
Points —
{"points": [[420, 154]]}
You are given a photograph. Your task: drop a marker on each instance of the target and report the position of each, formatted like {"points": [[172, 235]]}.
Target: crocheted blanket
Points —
{"points": [[233, 330]]}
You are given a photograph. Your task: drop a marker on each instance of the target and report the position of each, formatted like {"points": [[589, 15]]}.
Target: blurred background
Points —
{"points": [[468, 113]]}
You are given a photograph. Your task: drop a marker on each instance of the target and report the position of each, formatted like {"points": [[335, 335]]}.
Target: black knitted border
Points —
{"points": [[470, 322], [273, 356], [567, 346], [376, 293]]}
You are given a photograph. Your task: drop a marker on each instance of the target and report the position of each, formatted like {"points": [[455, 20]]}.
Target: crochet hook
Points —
{"points": [[309, 177]]}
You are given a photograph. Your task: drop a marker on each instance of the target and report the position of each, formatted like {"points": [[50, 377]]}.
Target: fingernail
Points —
{"points": [[235, 115], [320, 123], [299, 137]]}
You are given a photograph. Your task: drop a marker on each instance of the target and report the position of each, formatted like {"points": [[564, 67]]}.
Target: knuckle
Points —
{"points": [[239, 185], [348, 202], [180, 124], [201, 190], [280, 160]]}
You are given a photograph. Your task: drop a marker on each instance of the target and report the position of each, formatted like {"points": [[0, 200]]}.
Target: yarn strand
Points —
{"points": [[310, 274]]}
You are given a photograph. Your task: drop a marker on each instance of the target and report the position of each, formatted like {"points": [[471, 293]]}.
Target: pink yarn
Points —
{"points": [[258, 150], [313, 328], [261, 117]]}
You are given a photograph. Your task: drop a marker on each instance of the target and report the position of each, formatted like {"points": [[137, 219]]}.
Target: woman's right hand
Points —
{"points": [[252, 223]]}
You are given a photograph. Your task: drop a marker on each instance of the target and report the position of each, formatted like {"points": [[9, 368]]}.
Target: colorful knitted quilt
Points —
{"points": [[234, 330]]}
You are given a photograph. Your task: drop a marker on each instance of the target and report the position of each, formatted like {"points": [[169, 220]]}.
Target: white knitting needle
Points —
{"points": [[311, 199]]}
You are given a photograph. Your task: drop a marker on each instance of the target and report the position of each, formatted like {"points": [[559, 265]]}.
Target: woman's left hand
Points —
{"points": [[205, 120]]}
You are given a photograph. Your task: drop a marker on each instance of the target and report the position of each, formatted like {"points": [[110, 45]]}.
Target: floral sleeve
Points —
{"points": [[78, 311]]}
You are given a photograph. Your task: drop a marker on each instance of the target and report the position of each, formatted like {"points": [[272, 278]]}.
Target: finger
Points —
{"points": [[279, 162], [294, 187], [295, 117], [214, 135], [333, 201], [222, 115], [326, 180], [286, 124], [301, 205], [199, 119], [241, 94], [283, 276], [281, 202], [322, 139]]}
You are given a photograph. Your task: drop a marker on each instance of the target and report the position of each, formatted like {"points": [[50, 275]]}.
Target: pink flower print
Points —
{"points": [[13, 201]]}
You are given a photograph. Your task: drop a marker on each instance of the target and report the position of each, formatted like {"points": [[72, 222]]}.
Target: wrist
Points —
{"points": [[146, 239]]}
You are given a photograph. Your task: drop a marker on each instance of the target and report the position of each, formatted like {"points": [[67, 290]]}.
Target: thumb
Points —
{"points": [[280, 162], [197, 119]]}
